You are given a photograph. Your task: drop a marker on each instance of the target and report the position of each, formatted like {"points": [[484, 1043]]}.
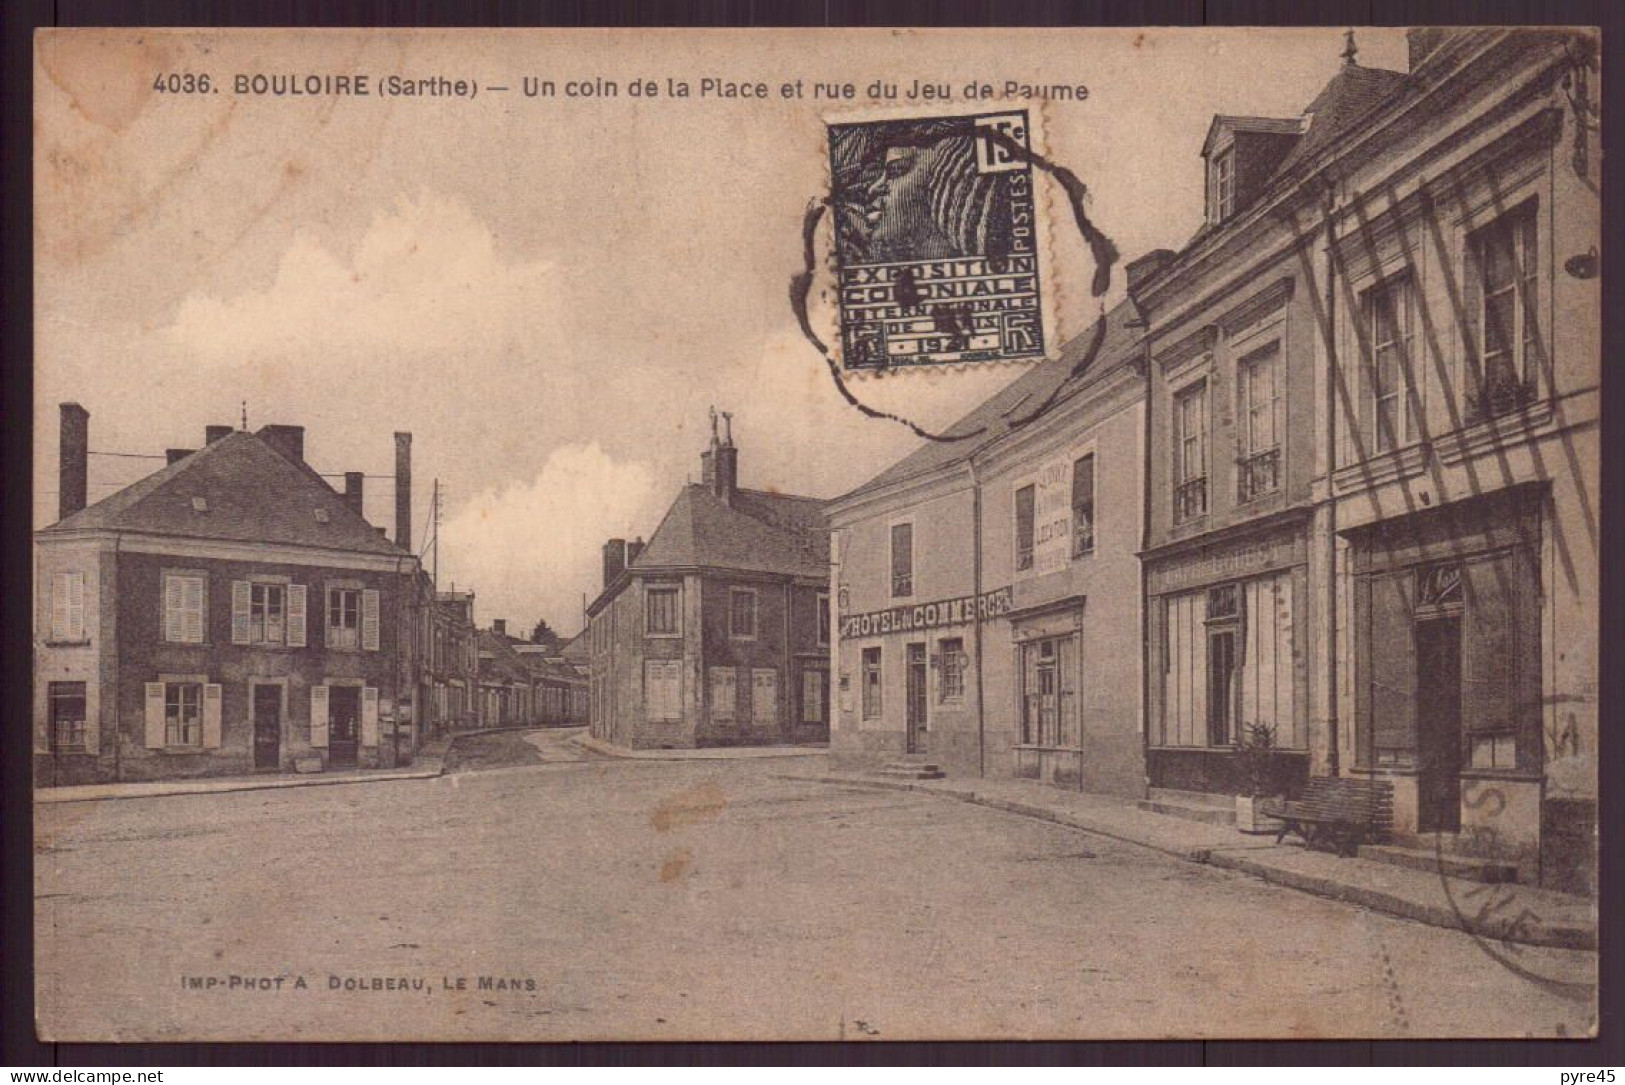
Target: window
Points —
{"points": [[267, 623], [183, 714], [183, 608], [1389, 384], [951, 680], [1083, 506], [663, 689], [662, 612], [1502, 274], [871, 683], [1025, 498], [343, 618], [823, 617], [1190, 452], [742, 613], [68, 607], [724, 693], [1049, 714], [1224, 185], [1258, 388], [902, 559], [764, 695], [67, 715]]}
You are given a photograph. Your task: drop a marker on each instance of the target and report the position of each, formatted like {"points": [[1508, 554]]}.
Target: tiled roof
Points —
{"points": [[1284, 126], [250, 493], [1346, 100], [758, 532], [1018, 398]]}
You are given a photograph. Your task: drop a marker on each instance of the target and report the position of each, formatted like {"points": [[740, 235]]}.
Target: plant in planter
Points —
{"points": [[1257, 763]]}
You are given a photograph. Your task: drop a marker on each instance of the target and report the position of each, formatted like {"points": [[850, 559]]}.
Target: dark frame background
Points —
{"points": [[18, 1045]]}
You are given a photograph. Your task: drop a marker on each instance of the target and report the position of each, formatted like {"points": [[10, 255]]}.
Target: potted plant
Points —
{"points": [[1257, 761]]}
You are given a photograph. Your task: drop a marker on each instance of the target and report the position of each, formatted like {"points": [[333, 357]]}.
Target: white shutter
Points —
{"points": [[296, 615], [211, 716], [76, 606], [173, 602], [723, 694], [59, 606], [369, 716], [369, 619], [240, 596], [764, 696], [192, 607], [155, 716], [318, 716]]}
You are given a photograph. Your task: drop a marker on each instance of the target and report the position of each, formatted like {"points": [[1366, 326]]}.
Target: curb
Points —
{"points": [[45, 796], [701, 753], [1557, 936]]}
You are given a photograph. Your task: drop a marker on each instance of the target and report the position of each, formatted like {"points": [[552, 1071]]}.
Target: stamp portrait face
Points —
{"points": [[936, 240]]}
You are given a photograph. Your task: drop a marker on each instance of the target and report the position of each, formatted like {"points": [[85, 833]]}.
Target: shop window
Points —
{"points": [[1026, 498], [902, 560], [1049, 714], [1259, 429], [951, 679], [1190, 453], [1083, 506], [663, 611], [1495, 751], [1391, 395], [67, 705], [871, 683], [1503, 293]]}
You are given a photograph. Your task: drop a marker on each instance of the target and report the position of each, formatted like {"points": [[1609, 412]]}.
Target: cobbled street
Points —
{"points": [[605, 899]]}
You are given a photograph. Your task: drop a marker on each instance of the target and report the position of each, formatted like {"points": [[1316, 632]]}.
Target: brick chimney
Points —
{"points": [[288, 440], [499, 626], [403, 490], [353, 483], [633, 549], [74, 460], [614, 560], [719, 464], [211, 434], [176, 455]]}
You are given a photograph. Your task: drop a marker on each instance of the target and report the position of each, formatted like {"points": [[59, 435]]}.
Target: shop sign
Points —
{"points": [[945, 612]]}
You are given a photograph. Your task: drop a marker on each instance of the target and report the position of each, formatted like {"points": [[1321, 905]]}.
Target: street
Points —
{"points": [[578, 898]]}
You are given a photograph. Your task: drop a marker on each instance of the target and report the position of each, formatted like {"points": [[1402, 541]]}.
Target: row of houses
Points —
{"points": [[233, 612], [1328, 478]]}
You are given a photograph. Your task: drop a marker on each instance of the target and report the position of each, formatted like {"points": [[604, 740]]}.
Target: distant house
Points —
{"points": [[453, 663], [559, 687], [717, 631], [505, 685], [229, 613]]}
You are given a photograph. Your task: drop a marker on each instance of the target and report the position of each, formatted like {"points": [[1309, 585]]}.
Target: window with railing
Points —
{"points": [[1503, 312], [1190, 452], [1258, 392], [1390, 399]]}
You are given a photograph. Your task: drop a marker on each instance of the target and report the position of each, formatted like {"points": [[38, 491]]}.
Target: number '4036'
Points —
{"points": [[182, 83]]}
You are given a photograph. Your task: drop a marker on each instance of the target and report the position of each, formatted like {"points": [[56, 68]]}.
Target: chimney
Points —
{"points": [[1145, 267], [288, 440], [614, 560], [719, 464], [633, 549], [403, 490], [211, 434], [176, 455], [499, 626], [353, 482], [74, 460]]}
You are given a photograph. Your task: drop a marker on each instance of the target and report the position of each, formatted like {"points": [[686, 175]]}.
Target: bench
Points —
{"points": [[1336, 810]]}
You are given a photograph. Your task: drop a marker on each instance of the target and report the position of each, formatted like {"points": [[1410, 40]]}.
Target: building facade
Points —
{"points": [[988, 591], [453, 654], [717, 631], [231, 613]]}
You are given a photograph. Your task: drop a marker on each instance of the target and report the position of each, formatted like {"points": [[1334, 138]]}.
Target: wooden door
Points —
{"points": [[1438, 725], [267, 711], [916, 701]]}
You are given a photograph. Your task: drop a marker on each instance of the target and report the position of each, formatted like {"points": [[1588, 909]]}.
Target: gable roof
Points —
{"points": [[759, 532], [1352, 93], [252, 492], [1020, 397], [1279, 126]]}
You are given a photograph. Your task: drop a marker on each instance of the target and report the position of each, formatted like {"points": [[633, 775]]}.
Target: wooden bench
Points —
{"points": [[1336, 810]]}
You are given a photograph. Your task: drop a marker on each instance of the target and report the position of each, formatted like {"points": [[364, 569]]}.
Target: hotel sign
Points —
{"points": [[945, 612]]}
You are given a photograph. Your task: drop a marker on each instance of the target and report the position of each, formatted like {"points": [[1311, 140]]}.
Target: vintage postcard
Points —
{"points": [[816, 535]]}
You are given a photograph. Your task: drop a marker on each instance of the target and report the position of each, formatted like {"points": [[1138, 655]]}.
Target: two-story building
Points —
{"points": [[453, 662], [717, 631], [230, 613], [988, 588]]}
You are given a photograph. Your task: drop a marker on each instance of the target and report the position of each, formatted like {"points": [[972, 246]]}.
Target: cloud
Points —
{"points": [[529, 549]]}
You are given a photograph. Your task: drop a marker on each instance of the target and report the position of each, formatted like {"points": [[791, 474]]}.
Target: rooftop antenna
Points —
{"points": [[1349, 48]]}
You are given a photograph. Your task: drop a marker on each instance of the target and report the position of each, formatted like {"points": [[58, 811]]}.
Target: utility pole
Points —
{"points": [[435, 575]]}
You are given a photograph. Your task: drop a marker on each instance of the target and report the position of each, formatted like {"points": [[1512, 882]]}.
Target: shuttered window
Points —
{"points": [[68, 607], [724, 693], [1385, 689], [663, 689], [764, 695], [1501, 695], [812, 696], [184, 601]]}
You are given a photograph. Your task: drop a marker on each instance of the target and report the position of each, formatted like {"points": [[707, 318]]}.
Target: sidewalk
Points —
{"points": [[704, 753], [1512, 913], [426, 766]]}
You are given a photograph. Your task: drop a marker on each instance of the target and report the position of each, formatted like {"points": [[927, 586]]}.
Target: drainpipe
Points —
{"points": [[1334, 696], [118, 674], [976, 567], [1146, 662]]}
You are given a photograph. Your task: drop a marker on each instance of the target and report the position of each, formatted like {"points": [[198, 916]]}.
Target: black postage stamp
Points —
{"points": [[937, 241]]}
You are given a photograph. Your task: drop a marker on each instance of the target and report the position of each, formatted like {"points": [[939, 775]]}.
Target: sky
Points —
{"points": [[548, 293]]}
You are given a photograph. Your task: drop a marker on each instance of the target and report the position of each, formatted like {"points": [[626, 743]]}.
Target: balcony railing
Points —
{"points": [[1190, 500], [902, 584], [1258, 474]]}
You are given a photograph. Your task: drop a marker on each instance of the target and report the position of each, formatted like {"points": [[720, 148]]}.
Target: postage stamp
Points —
{"points": [[937, 241]]}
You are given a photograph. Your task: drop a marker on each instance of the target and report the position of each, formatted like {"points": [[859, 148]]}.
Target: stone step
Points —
{"points": [[911, 770], [1217, 800], [1206, 812], [1467, 867]]}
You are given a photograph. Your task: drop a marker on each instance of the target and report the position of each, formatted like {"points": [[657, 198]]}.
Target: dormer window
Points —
{"points": [[200, 504], [1222, 197]]}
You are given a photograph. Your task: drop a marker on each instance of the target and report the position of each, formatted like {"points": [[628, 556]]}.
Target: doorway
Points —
{"points": [[267, 711], [917, 723], [1438, 725], [343, 725], [1221, 687]]}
